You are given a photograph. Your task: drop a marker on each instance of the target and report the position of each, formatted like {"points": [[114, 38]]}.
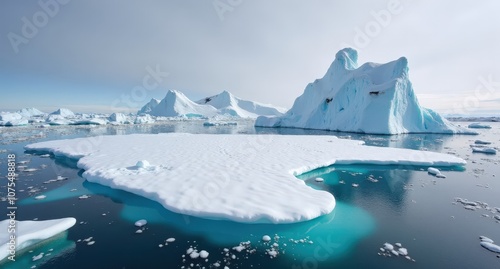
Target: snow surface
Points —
{"points": [[29, 232], [373, 98], [228, 104], [244, 178]]}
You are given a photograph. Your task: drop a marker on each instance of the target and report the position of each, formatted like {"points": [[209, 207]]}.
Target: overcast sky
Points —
{"points": [[97, 56]]}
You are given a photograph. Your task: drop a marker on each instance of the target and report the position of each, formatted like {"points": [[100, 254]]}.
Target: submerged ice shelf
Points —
{"points": [[243, 178], [29, 233]]}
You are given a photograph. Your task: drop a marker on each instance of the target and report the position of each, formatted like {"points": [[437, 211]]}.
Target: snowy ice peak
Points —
{"points": [[372, 98], [176, 104], [231, 105]]}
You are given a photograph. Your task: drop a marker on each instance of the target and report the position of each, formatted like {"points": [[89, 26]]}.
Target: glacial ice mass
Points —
{"points": [[372, 98], [243, 178]]}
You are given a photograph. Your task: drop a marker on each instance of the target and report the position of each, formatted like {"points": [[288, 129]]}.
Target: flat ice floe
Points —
{"points": [[29, 233], [244, 178]]}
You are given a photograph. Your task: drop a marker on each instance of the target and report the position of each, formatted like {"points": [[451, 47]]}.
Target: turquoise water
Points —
{"points": [[391, 204]]}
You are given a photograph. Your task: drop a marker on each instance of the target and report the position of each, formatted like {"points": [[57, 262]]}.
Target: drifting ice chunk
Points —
{"points": [[29, 232], [478, 125], [490, 246], [266, 238], [485, 239], [481, 142], [372, 98], [141, 223], [484, 150], [435, 172], [176, 184]]}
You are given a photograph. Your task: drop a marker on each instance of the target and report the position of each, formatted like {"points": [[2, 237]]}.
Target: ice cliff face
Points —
{"points": [[373, 98]]}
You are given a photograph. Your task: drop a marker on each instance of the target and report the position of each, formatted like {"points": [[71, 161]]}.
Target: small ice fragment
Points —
{"points": [[142, 164], [355, 185], [266, 238], [138, 231], [403, 251], [485, 239], [189, 251], [194, 254], [239, 248], [40, 197], [481, 150], [435, 172], [469, 207], [91, 243], [388, 246], [395, 253], [84, 197], [481, 142], [204, 254], [141, 223], [38, 257], [398, 245], [272, 253], [319, 179], [491, 247], [170, 240]]}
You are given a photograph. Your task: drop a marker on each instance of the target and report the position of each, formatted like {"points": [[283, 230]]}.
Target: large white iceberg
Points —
{"points": [[244, 178], [176, 104], [373, 98], [228, 104], [29, 233]]}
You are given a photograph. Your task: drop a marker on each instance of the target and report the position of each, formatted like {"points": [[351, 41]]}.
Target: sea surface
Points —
{"points": [[375, 205]]}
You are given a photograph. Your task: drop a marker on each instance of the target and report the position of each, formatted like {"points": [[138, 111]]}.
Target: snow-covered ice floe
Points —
{"points": [[244, 178], [29, 232], [371, 98]]}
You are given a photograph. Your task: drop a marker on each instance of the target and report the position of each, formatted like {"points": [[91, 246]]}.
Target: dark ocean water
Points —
{"points": [[391, 204]]}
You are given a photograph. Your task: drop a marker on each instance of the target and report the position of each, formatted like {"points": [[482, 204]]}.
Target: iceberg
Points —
{"points": [[242, 178], [118, 118], [176, 104], [29, 233], [372, 98], [228, 104], [30, 112], [147, 108], [12, 119], [64, 112]]}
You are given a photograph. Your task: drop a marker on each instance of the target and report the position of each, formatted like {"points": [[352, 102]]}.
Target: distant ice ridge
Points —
{"points": [[372, 98], [176, 104], [228, 104], [29, 233], [243, 178]]}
